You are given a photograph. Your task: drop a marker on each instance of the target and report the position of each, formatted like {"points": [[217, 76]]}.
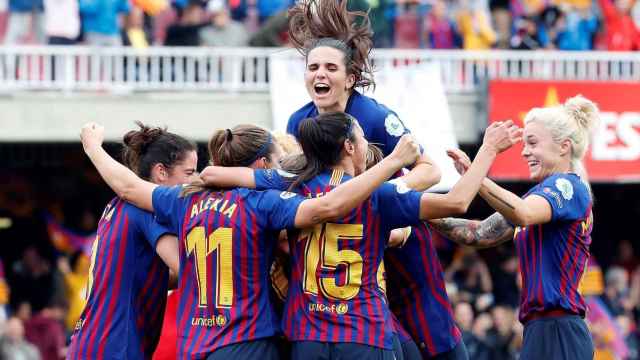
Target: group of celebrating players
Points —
{"points": [[313, 254]]}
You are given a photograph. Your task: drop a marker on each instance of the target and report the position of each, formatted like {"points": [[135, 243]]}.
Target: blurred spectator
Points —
{"points": [[406, 26], [23, 225], [470, 273], [475, 25], [36, 282], [505, 282], [620, 31], [13, 345], [380, 13], [25, 21], [502, 20], [526, 34], [630, 336], [502, 339], [101, 21], [268, 8], [616, 291], [577, 29], [464, 318], [61, 21], [438, 29], [46, 331], [272, 33], [551, 21], [626, 257], [75, 280], [186, 32], [135, 34], [222, 31]]}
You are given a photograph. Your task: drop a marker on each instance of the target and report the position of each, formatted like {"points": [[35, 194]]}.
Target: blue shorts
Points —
{"points": [[266, 349], [410, 350], [557, 338], [316, 350], [459, 352]]}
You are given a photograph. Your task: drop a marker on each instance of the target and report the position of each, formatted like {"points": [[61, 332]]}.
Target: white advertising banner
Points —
{"points": [[415, 92]]}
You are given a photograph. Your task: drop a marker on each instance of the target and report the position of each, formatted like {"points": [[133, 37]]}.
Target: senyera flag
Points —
{"points": [[614, 155]]}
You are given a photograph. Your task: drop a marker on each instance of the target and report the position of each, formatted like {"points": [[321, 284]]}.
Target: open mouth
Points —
{"points": [[321, 88]]}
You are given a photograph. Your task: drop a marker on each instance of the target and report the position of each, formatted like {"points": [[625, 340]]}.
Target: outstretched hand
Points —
{"points": [[461, 160]]}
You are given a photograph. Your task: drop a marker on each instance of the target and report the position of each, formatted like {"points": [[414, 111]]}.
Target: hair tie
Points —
{"points": [[262, 151], [229, 135]]}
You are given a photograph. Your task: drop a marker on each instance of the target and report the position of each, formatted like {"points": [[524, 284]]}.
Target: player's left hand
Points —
{"points": [[92, 135], [461, 160]]}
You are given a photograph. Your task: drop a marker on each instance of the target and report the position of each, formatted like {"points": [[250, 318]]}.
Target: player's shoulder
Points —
{"points": [[366, 108], [567, 184], [304, 112]]}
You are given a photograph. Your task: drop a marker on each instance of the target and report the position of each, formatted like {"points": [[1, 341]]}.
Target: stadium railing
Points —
{"points": [[126, 69]]}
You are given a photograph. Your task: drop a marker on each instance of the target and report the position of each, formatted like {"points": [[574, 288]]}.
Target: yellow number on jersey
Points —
{"points": [[322, 249], [92, 265], [201, 246]]}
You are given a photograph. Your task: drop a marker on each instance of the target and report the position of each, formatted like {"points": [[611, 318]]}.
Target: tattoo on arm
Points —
{"points": [[490, 232], [504, 202]]}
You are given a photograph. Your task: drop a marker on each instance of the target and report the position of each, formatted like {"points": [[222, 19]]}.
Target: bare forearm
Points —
{"points": [[468, 186], [220, 176], [503, 201], [490, 232], [124, 182], [348, 195], [424, 175]]}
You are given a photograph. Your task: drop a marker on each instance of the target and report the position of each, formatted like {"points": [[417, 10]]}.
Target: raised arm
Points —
{"points": [[345, 197], [498, 137], [522, 212], [490, 232], [220, 176], [124, 182], [423, 175], [531, 210]]}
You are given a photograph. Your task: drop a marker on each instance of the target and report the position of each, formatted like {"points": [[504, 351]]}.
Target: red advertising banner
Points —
{"points": [[614, 153]]}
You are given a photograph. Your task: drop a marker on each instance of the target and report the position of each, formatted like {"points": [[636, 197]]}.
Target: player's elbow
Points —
{"points": [[126, 192], [458, 205], [521, 217]]}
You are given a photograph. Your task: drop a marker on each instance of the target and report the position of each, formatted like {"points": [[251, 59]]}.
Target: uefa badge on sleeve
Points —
{"points": [[565, 187], [287, 195], [393, 125]]}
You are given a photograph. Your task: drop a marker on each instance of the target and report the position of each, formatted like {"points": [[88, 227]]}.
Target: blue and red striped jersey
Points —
{"points": [[417, 294], [553, 256], [227, 240], [334, 293], [127, 288]]}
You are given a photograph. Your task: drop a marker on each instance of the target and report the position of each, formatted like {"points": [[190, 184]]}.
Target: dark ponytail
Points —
{"points": [[149, 146], [322, 140]]}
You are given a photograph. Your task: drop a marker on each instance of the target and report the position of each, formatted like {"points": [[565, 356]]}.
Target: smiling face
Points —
{"points": [[326, 79], [543, 155], [183, 171]]}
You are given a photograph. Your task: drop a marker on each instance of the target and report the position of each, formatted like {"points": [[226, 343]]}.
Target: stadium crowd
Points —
{"points": [[45, 238], [437, 24]]}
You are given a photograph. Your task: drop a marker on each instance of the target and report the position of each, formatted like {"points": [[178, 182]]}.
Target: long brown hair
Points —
{"points": [[315, 23]]}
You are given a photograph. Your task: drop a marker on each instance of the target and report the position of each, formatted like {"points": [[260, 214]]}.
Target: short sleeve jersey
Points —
{"points": [[226, 244], [127, 288], [553, 256], [334, 293]]}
